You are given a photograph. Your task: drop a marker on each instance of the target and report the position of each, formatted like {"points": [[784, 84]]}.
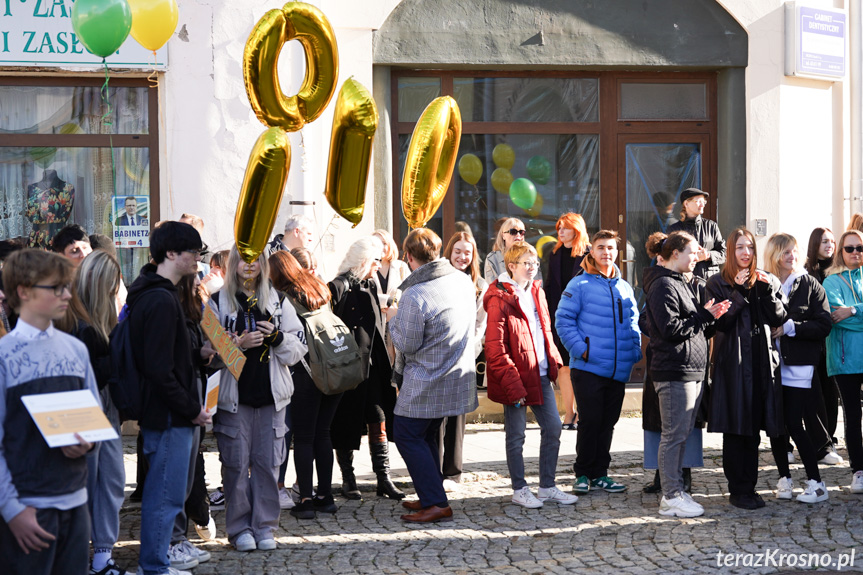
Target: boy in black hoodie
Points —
{"points": [[171, 404]]}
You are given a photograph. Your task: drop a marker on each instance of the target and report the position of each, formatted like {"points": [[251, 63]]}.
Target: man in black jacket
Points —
{"points": [[712, 254], [172, 406]]}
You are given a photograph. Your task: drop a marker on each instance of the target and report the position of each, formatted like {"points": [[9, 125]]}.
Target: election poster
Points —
{"points": [[131, 221]]}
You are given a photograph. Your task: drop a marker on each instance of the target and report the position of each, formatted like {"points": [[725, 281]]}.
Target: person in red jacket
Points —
{"points": [[522, 361]]}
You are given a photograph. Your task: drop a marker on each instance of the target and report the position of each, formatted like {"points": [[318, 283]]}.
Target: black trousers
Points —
{"points": [[312, 413], [452, 447], [599, 402], [849, 389], [828, 408], [799, 407], [68, 553], [740, 462]]}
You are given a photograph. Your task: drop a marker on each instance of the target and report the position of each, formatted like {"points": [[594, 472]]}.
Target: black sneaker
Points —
{"points": [[324, 504], [759, 502], [304, 510], [217, 499], [137, 495], [744, 501], [110, 568]]}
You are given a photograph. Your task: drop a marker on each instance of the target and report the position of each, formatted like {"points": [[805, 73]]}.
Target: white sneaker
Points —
{"points": [[813, 492], [295, 493], [832, 458], [192, 551], [285, 499], [267, 544], [790, 457], [680, 506], [449, 485], [525, 498], [857, 482], [208, 532], [171, 571], [785, 488], [180, 558], [245, 542], [556, 495]]}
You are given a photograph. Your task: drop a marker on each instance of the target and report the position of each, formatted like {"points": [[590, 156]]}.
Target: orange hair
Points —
{"points": [[575, 223]]}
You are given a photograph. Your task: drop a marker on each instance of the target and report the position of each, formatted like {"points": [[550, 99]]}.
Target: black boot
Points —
{"points": [[381, 466], [345, 458], [687, 480], [654, 487]]}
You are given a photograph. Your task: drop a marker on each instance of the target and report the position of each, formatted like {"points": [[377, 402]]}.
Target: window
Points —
{"points": [[67, 157]]}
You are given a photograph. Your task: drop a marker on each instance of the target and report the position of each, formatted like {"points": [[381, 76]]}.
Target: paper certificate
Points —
{"points": [[59, 416]]}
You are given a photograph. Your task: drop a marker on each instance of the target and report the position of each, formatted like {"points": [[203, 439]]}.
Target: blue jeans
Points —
{"points": [[417, 440], [514, 423], [169, 453]]}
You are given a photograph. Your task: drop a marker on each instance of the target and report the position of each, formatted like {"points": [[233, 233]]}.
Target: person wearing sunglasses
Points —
{"points": [[844, 287], [511, 230]]}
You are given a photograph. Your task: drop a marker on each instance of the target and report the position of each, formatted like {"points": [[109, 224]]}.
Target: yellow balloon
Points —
{"points": [[430, 160], [354, 124], [501, 180], [308, 25], [153, 22], [536, 208], [261, 194], [544, 241], [470, 169], [503, 156]]}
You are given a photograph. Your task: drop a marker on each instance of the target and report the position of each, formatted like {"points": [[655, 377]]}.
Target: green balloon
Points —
{"points": [[470, 169], [522, 192], [539, 169], [102, 25]]}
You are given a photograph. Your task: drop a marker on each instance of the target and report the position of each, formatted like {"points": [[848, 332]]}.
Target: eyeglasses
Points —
{"points": [[852, 249], [58, 288], [199, 254], [530, 264], [515, 232]]}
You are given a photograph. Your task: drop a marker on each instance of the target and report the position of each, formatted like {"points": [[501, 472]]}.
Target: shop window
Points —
{"points": [[66, 157], [529, 99]]}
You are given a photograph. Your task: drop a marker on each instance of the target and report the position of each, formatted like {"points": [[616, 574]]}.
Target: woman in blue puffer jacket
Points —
{"points": [[597, 322]]}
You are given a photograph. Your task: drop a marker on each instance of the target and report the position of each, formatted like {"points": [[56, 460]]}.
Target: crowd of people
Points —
{"points": [[733, 347]]}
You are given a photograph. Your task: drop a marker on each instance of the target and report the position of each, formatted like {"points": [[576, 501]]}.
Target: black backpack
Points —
{"points": [[126, 383]]}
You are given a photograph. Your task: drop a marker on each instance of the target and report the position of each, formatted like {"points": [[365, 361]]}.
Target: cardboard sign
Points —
{"points": [[231, 355], [59, 416]]}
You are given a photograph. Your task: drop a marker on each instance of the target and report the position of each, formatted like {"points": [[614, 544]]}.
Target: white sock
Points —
{"points": [[101, 558]]}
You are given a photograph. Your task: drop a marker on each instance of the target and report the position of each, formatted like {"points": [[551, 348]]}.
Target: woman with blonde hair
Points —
{"points": [[511, 230], [844, 287], [799, 341], [250, 423], [563, 265], [461, 251], [390, 275], [355, 300], [91, 317]]}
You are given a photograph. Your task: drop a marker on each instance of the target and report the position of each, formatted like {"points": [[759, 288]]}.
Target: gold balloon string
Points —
{"points": [[477, 198], [153, 78]]}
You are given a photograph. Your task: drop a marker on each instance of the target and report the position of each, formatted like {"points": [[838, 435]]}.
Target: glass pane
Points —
{"points": [[414, 95], [43, 189], [564, 170], [652, 101], [72, 110], [527, 99], [436, 223], [655, 176]]}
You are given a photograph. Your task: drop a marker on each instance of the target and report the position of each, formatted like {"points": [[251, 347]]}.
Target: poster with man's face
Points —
{"points": [[131, 221]]}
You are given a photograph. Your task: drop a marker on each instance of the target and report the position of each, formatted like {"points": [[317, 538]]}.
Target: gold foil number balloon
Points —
{"points": [[261, 194], [354, 124], [430, 160], [308, 25]]}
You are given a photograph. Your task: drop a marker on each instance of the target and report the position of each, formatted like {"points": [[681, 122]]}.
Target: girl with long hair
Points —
{"points": [[312, 412], [844, 287], [371, 404], [250, 423], [389, 276], [91, 317], [461, 251], [746, 396], [563, 264], [799, 340]]}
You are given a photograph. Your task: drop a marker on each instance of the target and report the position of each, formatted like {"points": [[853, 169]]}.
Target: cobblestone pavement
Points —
{"points": [[601, 533]]}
